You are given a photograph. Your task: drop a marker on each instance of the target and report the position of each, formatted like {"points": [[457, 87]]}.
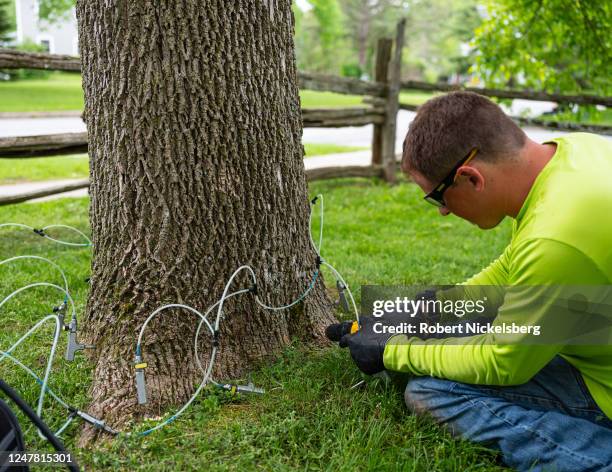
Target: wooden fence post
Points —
{"points": [[392, 106], [383, 56]]}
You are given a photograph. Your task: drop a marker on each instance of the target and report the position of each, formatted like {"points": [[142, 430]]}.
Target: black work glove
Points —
{"points": [[366, 346], [334, 332]]}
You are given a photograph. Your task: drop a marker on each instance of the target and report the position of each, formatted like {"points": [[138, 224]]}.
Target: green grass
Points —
{"points": [[320, 149], [77, 167], [373, 234], [314, 99], [44, 168], [60, 91], [414, 97]]}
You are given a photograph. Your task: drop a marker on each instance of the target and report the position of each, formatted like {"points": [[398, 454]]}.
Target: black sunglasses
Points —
{"points": [[436, 196]]}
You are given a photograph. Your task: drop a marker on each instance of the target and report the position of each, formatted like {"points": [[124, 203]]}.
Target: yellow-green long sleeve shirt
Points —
{"points": [[562, 236]]}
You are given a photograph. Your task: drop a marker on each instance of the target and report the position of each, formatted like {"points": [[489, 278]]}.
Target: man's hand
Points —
{"points": [[366, 346], [334, 332]]}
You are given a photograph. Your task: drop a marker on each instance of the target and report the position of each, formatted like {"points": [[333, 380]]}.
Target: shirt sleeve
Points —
{"points": [[496, 273], [538, 268]]}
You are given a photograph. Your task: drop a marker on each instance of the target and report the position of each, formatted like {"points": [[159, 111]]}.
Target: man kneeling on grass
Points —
{"points": [[547, 405]]}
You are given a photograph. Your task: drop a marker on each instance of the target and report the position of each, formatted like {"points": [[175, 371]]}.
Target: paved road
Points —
{"points": [[362, 136], [36, 126], [355, 136], [73, 124]]}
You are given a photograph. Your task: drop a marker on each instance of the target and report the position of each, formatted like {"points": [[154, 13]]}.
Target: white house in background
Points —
{"points": [[59, 37]]}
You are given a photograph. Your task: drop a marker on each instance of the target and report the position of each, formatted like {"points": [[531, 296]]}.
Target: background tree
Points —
{"points": [[54, 10], [368, 20], [320, 38], [438, 34], [194, 127], [6, 19], [557, 45], [329, 20]]}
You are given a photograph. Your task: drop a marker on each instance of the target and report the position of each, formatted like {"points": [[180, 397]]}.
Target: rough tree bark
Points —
{"points": [[193, 118]]}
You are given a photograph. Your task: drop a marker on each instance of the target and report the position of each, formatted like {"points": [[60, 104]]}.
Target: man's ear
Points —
{"points": [[473, 175]]}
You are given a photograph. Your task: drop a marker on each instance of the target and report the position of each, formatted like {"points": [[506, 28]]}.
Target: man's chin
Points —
{"points": [[488, 224]]}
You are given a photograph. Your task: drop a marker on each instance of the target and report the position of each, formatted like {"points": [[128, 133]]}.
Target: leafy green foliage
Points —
{"points": [[367, 20], [319, 38], [556, 45], [54, 10], [328, 15], [433, 48], [351, 70], [438, 35], [589, 114], [6, 19]]}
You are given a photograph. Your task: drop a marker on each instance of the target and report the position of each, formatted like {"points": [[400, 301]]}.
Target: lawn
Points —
{"points": [[320, 149], [77, 167], [374, 234], [43, 168], [315, 99], [62, 91], [415, 97]]}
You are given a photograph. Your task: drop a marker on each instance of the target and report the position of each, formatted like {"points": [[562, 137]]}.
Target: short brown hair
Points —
{"points": [[447, 127]]}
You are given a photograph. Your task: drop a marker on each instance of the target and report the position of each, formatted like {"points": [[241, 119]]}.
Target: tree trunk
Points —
{"points": [[363, 32], [193, 118]]}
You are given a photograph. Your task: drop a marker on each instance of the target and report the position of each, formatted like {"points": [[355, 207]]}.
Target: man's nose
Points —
{"points": [[444, 211]]}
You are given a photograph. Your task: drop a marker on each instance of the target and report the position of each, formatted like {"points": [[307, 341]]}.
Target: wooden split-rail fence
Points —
{"points": [[381, 105]]}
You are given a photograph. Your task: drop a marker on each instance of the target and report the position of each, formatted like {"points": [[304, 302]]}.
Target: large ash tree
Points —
{"points": [[194, 125]]}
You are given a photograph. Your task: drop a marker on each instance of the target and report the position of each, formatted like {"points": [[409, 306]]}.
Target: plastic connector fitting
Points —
{"points": [[141, 386], [96, 423], [342, 301], [249, 388], [73, 344]]}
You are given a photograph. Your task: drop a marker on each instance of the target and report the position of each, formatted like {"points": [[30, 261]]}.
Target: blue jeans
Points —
{"points": [[550, 423]]}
